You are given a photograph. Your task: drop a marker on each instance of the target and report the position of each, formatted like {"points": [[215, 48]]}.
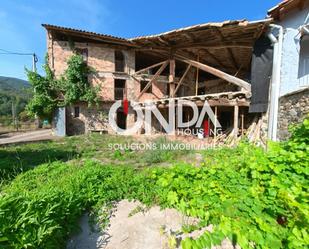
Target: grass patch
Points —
{"points": [[257, 199]]}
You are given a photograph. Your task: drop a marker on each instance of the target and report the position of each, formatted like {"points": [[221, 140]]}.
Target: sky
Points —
{"points": [[21, 30]]}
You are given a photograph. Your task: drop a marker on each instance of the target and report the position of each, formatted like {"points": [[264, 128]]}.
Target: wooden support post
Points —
{"points": [[242, 123], [236, 111], [197, 73], [171, 78]]}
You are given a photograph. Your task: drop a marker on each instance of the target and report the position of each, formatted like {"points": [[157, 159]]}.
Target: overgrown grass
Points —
{"points": [[257, 199], [20, 158]]}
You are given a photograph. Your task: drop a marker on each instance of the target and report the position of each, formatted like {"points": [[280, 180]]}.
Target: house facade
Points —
{"points": [[293, 90], [248, 72], [209, 62]]}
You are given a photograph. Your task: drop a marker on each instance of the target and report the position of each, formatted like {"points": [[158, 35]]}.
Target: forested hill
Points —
{"points": [[13, 90]]}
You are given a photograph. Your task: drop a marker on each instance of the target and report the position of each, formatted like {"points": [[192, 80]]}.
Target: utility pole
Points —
{"points": [[34, 61], [14, 115]]}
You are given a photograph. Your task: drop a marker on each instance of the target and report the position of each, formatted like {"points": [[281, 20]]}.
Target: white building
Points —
{"points": [[289, 93]]}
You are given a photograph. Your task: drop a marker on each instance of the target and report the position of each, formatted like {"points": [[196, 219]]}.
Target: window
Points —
{"points": [[144, 84], [120, 86], [83, 52], [76, 112], [303, 69], [119, 61]]}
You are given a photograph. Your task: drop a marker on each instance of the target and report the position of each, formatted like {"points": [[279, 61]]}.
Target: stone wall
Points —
{"points": [[293, 108], [100, 57], [90, 119]]}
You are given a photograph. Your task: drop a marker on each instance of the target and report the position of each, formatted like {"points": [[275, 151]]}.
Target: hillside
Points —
{"points": [[16, 90]]}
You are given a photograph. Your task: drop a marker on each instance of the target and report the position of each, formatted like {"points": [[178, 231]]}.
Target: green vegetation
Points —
{"points": [[14, 91], [255, 198], [50, 93], [20, 158]]}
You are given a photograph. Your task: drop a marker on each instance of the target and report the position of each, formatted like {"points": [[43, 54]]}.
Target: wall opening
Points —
{"points": [[119, 89], [119, 61], [76, 111], [121, 120]]}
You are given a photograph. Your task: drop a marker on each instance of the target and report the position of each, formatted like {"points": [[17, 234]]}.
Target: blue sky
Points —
{"points": [[21, 30]]}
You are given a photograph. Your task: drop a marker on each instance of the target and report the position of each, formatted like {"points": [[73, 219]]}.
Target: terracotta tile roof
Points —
{"points": [[284, 7]]}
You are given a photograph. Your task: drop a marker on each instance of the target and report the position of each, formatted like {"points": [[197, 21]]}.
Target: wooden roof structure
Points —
{"points": [[280, 10], [222, 49], [226, 45]]}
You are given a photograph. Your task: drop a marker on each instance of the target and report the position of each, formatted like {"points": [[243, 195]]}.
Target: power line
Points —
{"points": [[34, 57], [16, 53]]}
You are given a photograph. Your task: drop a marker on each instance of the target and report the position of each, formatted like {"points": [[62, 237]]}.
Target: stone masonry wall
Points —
{"points": [[293, 108], [102, 59], [93, 118]]}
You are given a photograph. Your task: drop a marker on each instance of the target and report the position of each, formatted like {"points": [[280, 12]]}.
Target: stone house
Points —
{"points": [[204, 62], [235, 66]]}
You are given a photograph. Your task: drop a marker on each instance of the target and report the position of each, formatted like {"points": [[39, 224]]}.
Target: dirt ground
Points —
{"points": [[131, 226], [29, 136]]}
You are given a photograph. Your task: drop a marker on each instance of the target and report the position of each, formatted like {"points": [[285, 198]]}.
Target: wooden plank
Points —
{"points": [[152, 66], [222, 75], [154, 78], [182, 78]]}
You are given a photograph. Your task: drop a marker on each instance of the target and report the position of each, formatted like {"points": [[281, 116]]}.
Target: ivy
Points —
{"points": [[71, 87]]}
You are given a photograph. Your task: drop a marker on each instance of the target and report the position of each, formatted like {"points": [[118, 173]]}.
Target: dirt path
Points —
{"points": [[29, 136], [134, 227]]}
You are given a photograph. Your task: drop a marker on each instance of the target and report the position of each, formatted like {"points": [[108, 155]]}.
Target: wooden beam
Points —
{"points": [[197, 74], [171, 77], [152, 66], [163, 41], [224, 102], [236, 111], [242, 123], [219, 45], [154, 78], [222, 75], [182, 78]]}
